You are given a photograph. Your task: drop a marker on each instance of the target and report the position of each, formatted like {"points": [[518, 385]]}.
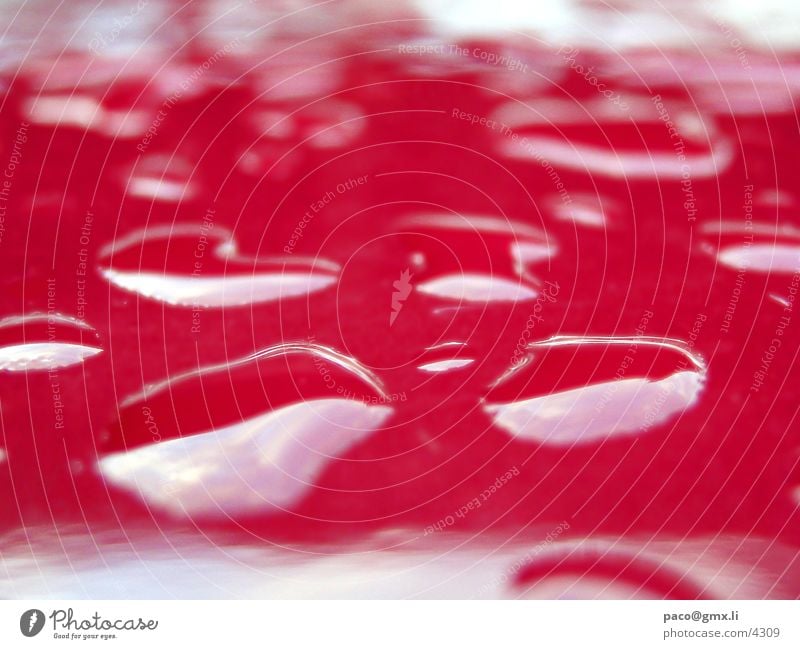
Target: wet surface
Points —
{"points": [[361, 284]]}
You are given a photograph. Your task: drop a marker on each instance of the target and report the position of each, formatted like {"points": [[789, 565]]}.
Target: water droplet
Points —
{"points": [[762, 257], [81, 111], [713, 567], [330, 124], [479, 242], [243, 388], [219, 291], [308, 350], [624, 405], [596, 137], [38, 317], [445, 366], [266, 464], [585, 569], [303, 76], [775, 198], [474, 223], [782, 301], [617, 163], [526, 254], [161, 178], [166, 233], [473, 287], [446, 345], [583, 209], [418, 260], [275, 124], [43, 356]]}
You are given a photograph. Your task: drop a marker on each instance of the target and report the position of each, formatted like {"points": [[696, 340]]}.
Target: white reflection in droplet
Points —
{"points": [[263, 465], [225, 248], [549, 111], [444, 366], [475, 287], [474, 222], [751, 227], [219, 291], [84, 112], [779, 299], [524, 254], [43, 356], [762, 257], [162, 178], [513, 369], [158, 189], [603, 410], [583, 209]]}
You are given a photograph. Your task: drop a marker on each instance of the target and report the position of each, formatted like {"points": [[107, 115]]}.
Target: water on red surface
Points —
{"points": [[376, 290]]}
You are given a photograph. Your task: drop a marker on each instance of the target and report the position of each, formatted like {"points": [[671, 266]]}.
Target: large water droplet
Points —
{"points": [[263, 465], [200, 266], [84, 112], [571, 417], [762, 257], [243, 387], [623, 405]]}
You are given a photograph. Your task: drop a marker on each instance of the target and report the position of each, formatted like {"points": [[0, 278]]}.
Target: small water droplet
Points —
{"points": [[446, 366], [782, 301], [473, 287], [200, 274], [624, 405]]}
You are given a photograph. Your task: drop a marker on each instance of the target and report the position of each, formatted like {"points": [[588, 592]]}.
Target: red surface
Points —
{"points": [[726, 465]]}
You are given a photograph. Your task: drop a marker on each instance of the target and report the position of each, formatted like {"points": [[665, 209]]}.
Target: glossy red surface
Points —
{"points": [[413, 209]]}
